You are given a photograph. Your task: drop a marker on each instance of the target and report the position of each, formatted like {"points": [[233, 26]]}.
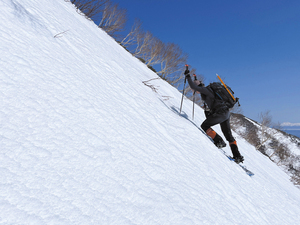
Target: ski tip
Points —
{"points": [[250, 174]]}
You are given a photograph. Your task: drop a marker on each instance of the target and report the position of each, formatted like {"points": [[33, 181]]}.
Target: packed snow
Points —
{"points": [[84, 141]]}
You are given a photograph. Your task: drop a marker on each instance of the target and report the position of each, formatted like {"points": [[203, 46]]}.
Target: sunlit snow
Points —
{"points": [[84, 141]]}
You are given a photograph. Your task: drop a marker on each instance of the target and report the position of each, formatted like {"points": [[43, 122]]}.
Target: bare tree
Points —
{"points": [[113, 18], [143, 40], [266, 132], [250, 131], [152, 51], [89, 8], [296, 180], [156, 52], [131, 38], [282, 152], [172, 63]]}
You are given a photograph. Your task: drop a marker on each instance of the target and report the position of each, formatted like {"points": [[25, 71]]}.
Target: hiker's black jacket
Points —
{"points": [[208, 96]]}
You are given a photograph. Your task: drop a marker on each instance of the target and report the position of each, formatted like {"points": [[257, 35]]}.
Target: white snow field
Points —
{"points": [[84, 141]]}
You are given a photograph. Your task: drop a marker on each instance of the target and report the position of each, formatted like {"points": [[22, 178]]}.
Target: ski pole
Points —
{"points": [[186, 68], [195, 78]]}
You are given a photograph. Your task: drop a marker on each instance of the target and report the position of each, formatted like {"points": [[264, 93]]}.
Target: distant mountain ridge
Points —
{"points": [[288, 124], [290, 127], [292, 130]]}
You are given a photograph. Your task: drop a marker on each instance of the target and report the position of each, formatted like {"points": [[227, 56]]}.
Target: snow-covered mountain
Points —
{"points": [[83, 140], [281, 148]]}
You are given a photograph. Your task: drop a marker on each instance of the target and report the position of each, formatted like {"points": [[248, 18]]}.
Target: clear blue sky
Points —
{"points": [[253, 44]]}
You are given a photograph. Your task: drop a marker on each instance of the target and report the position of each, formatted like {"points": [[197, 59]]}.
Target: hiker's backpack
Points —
{"points": [[222, 94]]}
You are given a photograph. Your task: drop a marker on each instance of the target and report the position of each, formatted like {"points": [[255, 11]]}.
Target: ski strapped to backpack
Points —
{"points": [[226, 88], [224, 92]]}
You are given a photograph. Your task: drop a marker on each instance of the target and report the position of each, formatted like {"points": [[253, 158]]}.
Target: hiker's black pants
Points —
{"points": [[223, 119]]}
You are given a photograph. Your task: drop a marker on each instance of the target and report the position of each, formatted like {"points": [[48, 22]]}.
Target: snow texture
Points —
{"points": [[84, 141]]}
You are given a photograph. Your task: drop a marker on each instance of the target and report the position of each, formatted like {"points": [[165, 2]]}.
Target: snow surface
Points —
{"points": [[84, 141]]}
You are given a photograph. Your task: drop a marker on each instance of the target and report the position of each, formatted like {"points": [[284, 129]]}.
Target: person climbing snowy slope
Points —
{"points": [[216, 112]]}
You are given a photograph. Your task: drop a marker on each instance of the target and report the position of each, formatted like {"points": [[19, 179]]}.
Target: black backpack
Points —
{"points": [[222, 94]]}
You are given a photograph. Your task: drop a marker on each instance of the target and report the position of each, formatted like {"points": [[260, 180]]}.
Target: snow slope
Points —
{"points": [[84, 141]]}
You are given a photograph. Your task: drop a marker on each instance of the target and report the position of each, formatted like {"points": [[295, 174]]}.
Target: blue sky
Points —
{"points": [[253, 45]]}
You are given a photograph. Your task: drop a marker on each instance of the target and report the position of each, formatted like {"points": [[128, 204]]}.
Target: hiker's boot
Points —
{"points": [[218, 141], [238, 158]]}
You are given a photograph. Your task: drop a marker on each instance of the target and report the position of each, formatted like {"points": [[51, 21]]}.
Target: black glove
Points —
{"points": [[201, 84], [187, 73]]}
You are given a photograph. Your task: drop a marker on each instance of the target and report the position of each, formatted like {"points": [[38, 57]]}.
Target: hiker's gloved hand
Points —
{"points": [[201, 84], [187, 73]]}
